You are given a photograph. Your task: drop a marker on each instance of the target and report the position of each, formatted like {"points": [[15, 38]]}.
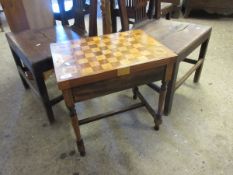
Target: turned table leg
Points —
{"points": [[74, 121], [75, 125], [162, 94]]}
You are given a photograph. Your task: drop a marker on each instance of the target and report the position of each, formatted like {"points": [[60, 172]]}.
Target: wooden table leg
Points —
{"points": [[202, 55], [171, 90], [162, 95], [74, 121]]}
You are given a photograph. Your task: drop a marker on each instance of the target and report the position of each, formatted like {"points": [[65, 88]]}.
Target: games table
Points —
{"points": [[97, 66]]}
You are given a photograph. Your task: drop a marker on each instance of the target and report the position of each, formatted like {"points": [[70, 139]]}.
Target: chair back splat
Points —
{"points": [[136, 9], [135, 12]]}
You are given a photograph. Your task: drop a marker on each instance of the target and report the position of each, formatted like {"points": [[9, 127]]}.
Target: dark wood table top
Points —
{"points": [[99, 58], [180, 37], [34, 45]]}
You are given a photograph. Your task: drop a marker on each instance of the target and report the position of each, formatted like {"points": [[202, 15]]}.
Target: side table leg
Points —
{"points": [[202, 55], [39, 78], [162, 94], [68, 98], [75, 124], [171, 90]]}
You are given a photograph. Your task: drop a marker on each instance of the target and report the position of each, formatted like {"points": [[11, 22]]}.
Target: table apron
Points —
{"points": [[106, 87]]}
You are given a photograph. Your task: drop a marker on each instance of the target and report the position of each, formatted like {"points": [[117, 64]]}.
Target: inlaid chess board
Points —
{"points": [[98, 58]]}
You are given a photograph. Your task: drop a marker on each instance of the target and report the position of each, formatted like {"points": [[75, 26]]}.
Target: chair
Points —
{"points": [[183, 39], [137, 11], [30, 46]]}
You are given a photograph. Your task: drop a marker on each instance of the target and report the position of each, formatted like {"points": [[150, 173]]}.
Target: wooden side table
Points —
{"points": [[31, 52], [97, 66]]}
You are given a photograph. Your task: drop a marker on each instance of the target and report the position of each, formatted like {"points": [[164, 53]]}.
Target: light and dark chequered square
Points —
{"points": [[96, 55]]}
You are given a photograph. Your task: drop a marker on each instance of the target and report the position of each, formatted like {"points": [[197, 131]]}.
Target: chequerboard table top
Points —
{"points": [[98, 58]]}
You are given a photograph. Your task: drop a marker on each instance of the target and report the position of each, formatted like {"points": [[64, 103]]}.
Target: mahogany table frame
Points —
{"points": [[88, 91]]}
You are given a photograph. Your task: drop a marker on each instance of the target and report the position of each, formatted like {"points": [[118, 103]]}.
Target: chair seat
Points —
{"points": [[180, 37]]}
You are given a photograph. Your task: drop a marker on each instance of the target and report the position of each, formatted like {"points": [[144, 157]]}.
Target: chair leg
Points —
{"points": [[134, 93], [171, 90], [162, 94], [151, 8], [114, 23], [61, 4], [202, 55], [1, 27], [93, 31], [168, 16], [187, 12]]}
